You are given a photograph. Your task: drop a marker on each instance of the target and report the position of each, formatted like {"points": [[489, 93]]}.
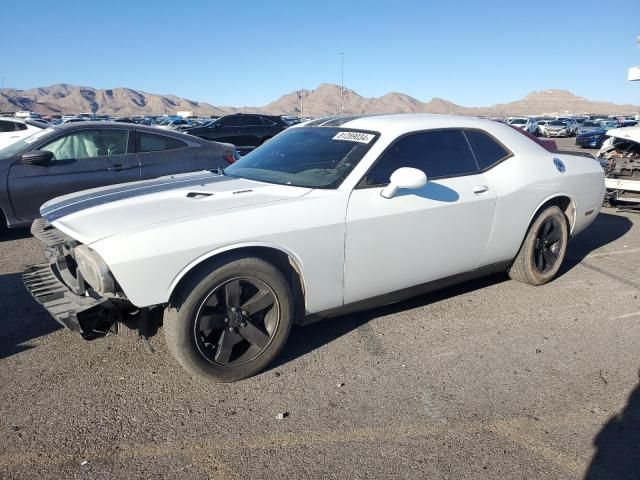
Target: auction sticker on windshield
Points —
{"points": [[354, 137]]}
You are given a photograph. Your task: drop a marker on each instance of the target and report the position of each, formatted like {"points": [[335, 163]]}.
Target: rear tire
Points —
{"points": [[543, 250], [230, 321]]}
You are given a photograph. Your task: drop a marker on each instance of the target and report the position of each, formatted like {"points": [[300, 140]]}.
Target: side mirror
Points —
{"points": [[37, 157], [404, 177]]}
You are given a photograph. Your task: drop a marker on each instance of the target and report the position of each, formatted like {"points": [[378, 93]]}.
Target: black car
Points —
{"points": [[241, 129], [78, 156]]}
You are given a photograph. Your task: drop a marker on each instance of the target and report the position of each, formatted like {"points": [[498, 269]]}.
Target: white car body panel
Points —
{"points": [[8, 138], [394, 240], [347, 243]]}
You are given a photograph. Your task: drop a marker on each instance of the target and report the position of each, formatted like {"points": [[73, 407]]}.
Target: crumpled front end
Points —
{"points": [[73, 286], [621, 161]]}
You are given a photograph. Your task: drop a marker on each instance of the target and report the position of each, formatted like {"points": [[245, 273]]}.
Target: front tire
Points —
{"points": [[543, 249], [230, 321]]}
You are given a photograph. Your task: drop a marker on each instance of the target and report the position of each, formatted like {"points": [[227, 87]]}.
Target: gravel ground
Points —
{"points": [[488, 380]]}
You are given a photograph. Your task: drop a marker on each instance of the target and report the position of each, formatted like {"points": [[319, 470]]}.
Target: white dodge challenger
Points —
{"points": [[334, 215]]}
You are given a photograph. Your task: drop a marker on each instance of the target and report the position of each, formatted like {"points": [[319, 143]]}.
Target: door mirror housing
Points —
{"points": [[404, 177], [37, 157]]}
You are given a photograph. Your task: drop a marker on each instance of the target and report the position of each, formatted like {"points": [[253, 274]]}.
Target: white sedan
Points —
{"points": [[14, 129], [331, 216], [527, 124]]}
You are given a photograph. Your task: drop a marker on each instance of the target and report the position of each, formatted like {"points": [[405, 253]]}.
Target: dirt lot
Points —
{"points": [[492, 379]]}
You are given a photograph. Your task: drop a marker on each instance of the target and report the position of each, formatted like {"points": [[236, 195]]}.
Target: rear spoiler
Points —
{"points": [[576, 154]]}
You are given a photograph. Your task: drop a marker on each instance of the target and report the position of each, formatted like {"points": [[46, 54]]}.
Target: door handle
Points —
{"points": [[480, 189]]}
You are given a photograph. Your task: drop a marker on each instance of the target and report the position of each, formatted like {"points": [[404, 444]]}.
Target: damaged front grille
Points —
{"points": [[59, 251]]}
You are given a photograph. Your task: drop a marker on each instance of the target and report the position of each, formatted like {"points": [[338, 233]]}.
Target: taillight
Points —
{"points": [[229, 157]]}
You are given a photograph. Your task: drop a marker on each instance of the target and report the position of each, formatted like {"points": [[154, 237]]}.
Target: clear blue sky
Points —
{"points": [[247, 52]]}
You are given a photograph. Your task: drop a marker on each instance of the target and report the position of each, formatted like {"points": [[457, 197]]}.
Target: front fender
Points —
{"points": [[293, 257]]}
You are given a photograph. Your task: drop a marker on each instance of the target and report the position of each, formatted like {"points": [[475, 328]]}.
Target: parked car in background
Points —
{"points": [[291, 119], [172, 124], [329, 217], [525, 123], [78, 156], [14, 129], [589, 126], [557, 128], [245, 131], [592, 138], [571, 123], [542, 127]]}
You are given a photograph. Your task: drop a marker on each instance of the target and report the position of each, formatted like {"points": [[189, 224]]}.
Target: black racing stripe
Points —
{"points": [[76, 204], [339, 121], [318, 121]]}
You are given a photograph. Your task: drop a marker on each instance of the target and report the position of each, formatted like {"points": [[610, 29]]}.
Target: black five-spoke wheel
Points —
{"points": [[236, 321], [543, 248], [230, 320], [548, 245]]}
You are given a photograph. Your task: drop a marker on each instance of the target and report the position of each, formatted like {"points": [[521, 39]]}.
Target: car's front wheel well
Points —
{"points": [[279, 259]]}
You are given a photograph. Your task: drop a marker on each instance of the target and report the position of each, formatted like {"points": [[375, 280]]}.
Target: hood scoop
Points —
{"points": [[199, 195]]}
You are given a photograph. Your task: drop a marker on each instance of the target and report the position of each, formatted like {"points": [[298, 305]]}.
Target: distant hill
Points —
{"points": [[58, 99], [324, 100]]}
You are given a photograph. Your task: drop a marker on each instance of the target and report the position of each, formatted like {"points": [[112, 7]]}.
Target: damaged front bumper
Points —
{"points": [[59, 287]]}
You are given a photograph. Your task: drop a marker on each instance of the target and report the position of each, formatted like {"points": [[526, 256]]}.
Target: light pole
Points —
{"points": [[342, 83]]}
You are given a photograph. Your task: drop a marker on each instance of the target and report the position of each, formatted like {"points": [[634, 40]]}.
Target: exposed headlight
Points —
{"points": [[93, 269]]}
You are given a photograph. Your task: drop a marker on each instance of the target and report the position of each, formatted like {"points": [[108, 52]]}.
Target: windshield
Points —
{"points": [[558, 123], [518, 121], [590, 124], [313, 157]]}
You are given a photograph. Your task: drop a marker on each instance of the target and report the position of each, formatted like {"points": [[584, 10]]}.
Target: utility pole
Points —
{"points": [[2, 98], [301, 101], [342, 83]]}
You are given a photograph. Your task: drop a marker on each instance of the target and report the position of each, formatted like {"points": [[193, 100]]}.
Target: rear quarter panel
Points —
{"points": [[525, 182]]}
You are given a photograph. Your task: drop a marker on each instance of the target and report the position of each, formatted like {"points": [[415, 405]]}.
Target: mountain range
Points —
{"points": [[324, 100]]}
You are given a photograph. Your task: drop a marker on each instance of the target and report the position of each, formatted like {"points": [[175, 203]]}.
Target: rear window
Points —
{"points": [[149, 142], [487, 150]]}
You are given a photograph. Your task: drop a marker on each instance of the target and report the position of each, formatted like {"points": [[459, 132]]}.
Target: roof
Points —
{"points": [[402, 123]]}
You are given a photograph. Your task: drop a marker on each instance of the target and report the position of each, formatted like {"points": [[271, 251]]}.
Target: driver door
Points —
{"points": [[420, 235], [83, 159]]}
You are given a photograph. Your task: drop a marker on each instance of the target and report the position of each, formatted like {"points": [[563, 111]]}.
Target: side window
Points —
{"points": [[150, 142], [89, 144], [20, 126], [7, 126], [439, 154], [232, 121], [486, 149], [252, 120]]}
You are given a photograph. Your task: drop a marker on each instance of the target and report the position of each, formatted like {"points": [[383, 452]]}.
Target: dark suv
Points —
{"points": [[241, 129]]}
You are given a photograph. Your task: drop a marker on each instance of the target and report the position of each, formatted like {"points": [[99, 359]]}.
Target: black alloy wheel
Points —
{"points": [[548, 245], [543, 248], [236, 321]]}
